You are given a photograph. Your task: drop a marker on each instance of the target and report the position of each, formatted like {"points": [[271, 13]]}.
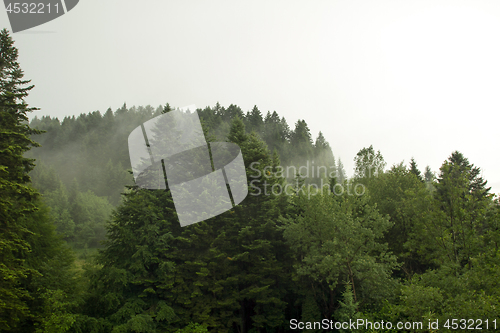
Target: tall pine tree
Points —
{"points": [[16, 197], [30, 251]]}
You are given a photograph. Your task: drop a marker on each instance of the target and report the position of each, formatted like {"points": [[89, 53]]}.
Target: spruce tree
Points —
{"points": [[301, 141], [460, 165], [324, 161], [254, 120], [462, 198], [251, 246], [16, 197], [35, 280], [340, 172], [429, 178], [414, 170], [226, 272], [237, 132]]}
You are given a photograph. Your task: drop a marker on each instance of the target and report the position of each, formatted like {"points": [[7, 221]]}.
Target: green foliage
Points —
{"points": [[55, 196], [277, 257], [254, 119], [399, 194], [340, 174], [429, 178], [38, 290], [335, 238], [456, 233], [58, 319], [53, 285], [79, 216], [90, 214], [348, 309], [30, 252], [456, 217], [223, 272], [301, 141], [193, 328], [411, 248], [16, 197], [368, 164], [414, 170]]}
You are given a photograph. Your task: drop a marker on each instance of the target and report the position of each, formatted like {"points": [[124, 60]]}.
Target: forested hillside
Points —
{"points": [[389, 244], [83, 163]]}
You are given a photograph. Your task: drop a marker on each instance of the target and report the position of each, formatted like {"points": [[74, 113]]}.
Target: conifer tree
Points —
{"points": [[429, 178], [254, 120], [414, 169], [459, 165], [222, 273], [249, 245], [429, 175], [233, 111], [301, 140], [237, 132], [324, 160], [341, 172], [34, 264], [16, 197], [462, 198]]}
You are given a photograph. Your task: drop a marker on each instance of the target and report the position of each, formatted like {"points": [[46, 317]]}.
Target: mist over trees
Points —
{"points": [[83, 161], [83, 249]]}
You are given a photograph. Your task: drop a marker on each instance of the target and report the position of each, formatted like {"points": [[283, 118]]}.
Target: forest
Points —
{"points": [[83, 249]]}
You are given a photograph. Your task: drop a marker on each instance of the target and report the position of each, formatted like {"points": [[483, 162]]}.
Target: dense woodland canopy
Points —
{"points": [[393, 244]]}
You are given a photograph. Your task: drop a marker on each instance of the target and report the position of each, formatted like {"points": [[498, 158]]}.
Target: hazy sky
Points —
{"points": [[413, 78]]}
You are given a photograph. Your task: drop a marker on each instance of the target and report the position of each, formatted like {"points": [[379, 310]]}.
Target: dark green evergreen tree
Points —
{"points": [[233, 111], [324, 161], [429, 175], [429, 178], [17, 199], [250, 244], [226, 273], [459, 165], [254, 120], [462, 196], [237, 133], [301, 141], [414, 169], [35, 280], [454, 234]]}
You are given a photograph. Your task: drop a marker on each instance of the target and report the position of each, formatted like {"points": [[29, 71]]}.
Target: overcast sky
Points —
{"points": [[412, 78]]}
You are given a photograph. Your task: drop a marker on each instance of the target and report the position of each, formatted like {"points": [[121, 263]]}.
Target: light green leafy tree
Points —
{"points": [[368, 163], [338, 238]]}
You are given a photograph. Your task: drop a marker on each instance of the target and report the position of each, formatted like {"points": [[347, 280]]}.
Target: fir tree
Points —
{"points": [[17, 199], [34, 264], [254, 120], [237, 133], [301, 141], [414, 170]]}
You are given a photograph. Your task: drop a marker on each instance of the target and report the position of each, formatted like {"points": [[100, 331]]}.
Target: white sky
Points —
{"points": [[413, 78]]}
